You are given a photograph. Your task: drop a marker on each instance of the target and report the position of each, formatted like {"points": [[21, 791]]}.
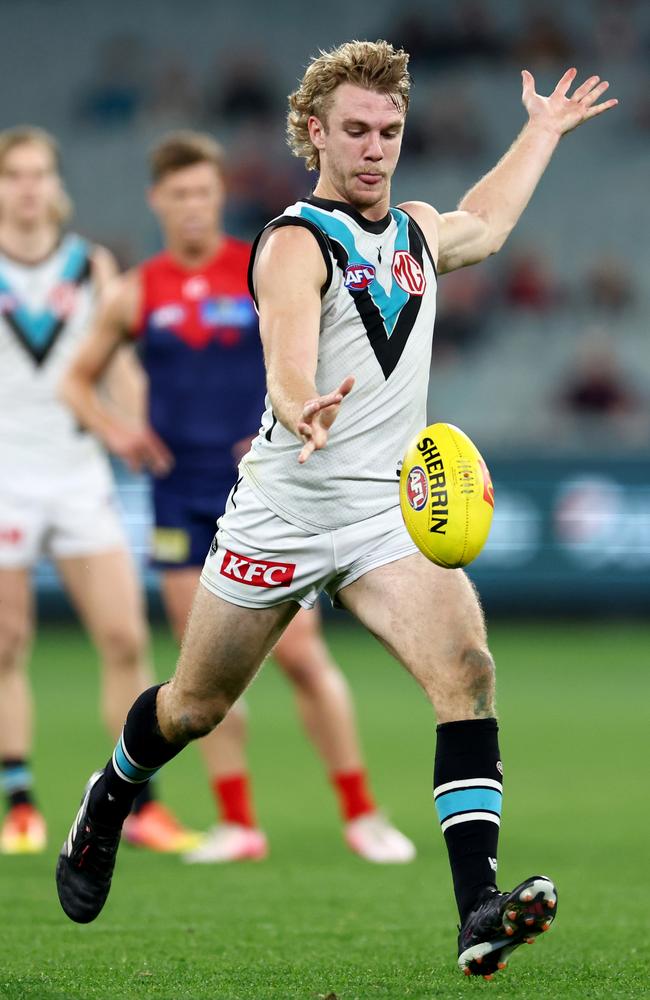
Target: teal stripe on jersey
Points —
{"points": [[133, 772], [402, 220], [468, 800], [390, 306], [77, 254], [38, 327]]}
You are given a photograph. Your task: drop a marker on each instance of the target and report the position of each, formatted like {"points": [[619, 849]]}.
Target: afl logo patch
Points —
{"points": [[358, 276], [408, 273], [417, 489]]}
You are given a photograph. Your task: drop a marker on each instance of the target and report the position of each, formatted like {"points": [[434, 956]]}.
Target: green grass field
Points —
{"points": [[314, 921]]}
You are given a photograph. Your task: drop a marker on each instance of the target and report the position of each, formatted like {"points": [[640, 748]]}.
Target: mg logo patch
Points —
{"points": [[63, 299], [256, 574], [358, 276], [408, 273], [11, 536]]}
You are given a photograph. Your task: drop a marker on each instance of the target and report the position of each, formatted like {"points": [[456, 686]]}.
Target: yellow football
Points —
{"points": [[446, 495]]}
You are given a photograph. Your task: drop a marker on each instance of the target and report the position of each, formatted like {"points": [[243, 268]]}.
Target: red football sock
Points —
{"points": [[234, 799], [354, 795]]}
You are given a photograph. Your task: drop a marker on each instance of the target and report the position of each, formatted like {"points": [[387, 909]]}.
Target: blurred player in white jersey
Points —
{"points": [[56, 487], [346, 289]]}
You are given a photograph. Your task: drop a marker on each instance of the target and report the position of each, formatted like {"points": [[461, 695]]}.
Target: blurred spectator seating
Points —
{"points": [[118, 89]]}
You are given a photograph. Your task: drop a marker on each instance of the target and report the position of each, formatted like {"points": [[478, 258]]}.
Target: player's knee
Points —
{"points": [[14, 638], [123, 646], [312, 675], [479, 675], [299, 670], [304, 663], [193, 718]]}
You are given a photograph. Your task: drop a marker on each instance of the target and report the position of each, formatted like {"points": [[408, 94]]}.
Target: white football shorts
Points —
{"points": [[258, 560], [59, 520]]}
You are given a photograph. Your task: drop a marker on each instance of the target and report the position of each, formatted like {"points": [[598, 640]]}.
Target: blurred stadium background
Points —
{"points": [[542, 355]]}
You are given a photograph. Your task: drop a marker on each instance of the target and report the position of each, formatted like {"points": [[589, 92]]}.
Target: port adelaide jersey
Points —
{"points": [[377, 316], [45, 314]]}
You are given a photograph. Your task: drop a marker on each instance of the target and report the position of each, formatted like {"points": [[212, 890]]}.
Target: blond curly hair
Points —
{"points": [[373, 65]]}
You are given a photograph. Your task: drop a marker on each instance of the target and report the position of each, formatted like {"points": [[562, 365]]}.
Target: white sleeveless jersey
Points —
{"points": [[377, 316], [45, 312]]}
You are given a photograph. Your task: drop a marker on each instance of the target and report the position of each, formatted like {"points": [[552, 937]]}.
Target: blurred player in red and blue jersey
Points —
{"points": [[191, 313]]}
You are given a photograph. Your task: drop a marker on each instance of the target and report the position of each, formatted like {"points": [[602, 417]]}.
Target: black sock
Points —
{"points": [[140, 751], [146, 795], [17, 781], [467, 787]]}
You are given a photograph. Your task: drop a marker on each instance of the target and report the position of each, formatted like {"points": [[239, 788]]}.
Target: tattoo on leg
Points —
{"points": [[483, 706], [189, 727], [480, 681]]}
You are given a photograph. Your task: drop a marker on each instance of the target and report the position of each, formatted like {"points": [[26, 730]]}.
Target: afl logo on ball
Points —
{"points": [[408, 273], [417, 489], [358, 276]]}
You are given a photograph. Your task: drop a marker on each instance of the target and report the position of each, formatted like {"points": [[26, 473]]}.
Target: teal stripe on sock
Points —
{"points": [[134, 772], [15, 779], [468, 800]]}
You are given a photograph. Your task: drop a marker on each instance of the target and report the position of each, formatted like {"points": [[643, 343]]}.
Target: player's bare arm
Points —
{"points": [[132, 441], [125, 384], [289, 326], [123, 381], [490, 210]]}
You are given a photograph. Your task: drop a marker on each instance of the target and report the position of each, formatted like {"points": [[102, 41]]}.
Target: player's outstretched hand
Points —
{"points": [[317, 417], [559, 112], [139, 448]]}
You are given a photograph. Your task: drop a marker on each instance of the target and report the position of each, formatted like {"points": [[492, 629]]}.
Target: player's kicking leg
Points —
{"points": [[105, 591], [236, 836], [223, 647], [433, 625]]}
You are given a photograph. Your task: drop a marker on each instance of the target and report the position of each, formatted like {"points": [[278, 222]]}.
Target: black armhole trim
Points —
{"points": [[87, 272], [234, 491], [271, 428], [290, 220], [424, 241]]}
